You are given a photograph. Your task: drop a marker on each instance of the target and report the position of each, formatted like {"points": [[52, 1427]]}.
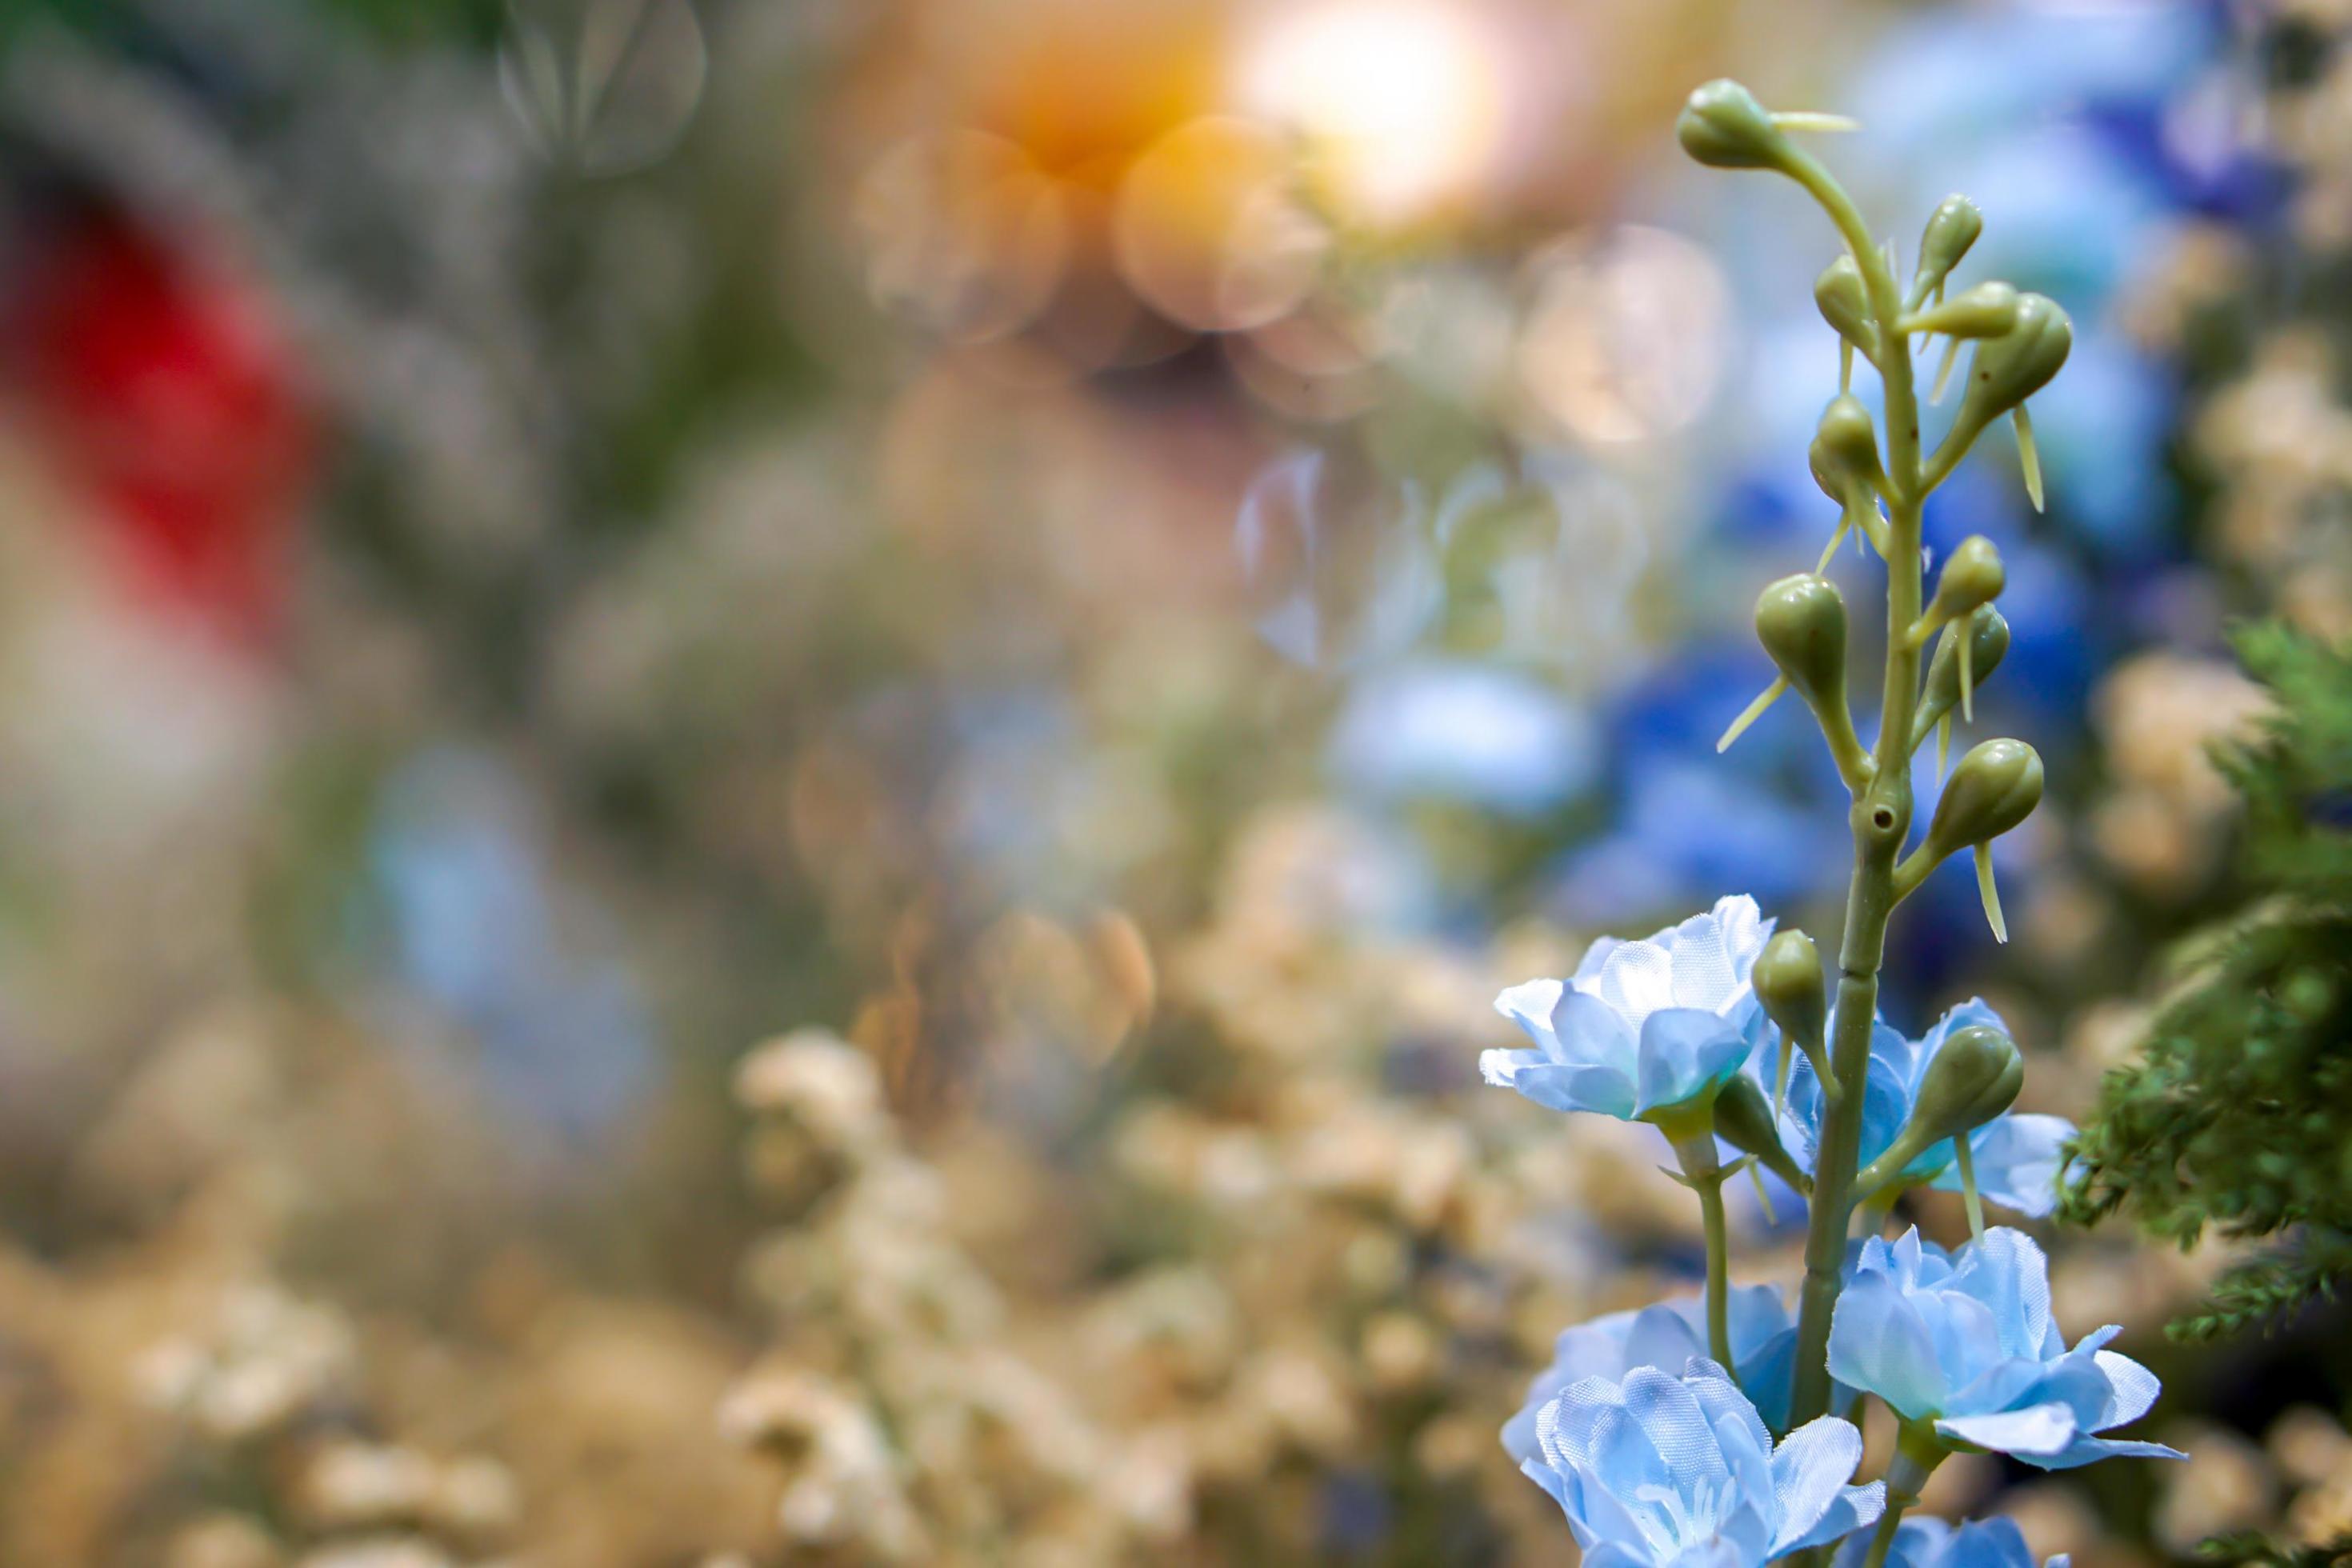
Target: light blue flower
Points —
{"points": [[2016, 1155], [1656, 1471], [1641, 1025], [1932, 1544], [1454, 730], [1967, 1346], [1922, 1542], [1668, 1333]]}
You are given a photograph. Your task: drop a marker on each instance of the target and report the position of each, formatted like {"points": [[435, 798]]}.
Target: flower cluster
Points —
{"points": [[1654, 1430]]}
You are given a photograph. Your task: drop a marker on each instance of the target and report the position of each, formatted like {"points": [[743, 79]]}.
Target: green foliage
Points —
{"points": [[2251, 1548], [2239, 1115]]}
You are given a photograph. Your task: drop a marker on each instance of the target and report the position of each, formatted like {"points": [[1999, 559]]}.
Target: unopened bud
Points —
{"points": [[1844, 303], [1724, 127], [1800, 621], [2012, 367], [1972, 576], [1987, 310], [1787, 979], [1844, 453], [1988, 645], [1992, 789], [1952, 228], [1973, 1076], [1744, 1121]]}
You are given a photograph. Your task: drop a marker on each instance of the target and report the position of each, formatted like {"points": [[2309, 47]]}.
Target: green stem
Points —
{"points": [[1881, 817], [1914, 1460], [1705, 1176]]}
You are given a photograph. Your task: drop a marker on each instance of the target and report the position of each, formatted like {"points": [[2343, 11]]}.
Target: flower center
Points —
{"points": [[1674, 1520]]}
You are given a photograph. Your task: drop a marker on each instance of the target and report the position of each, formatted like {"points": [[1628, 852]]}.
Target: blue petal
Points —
{"points": [[1854, 1509], [1879, 1343], [1669, 1415], [2008, 1273], [1739, 1429], [2131, 1389], [1810, 1469], [2017, 1162], [1604, 1090], [1528, 1004], [1682, 1052], [2035, 1431], [2089, 1450], [1994, 1543], [1590, 1030]]}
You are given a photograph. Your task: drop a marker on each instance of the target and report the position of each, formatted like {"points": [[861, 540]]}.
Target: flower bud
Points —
{"points": [[1994, 788], [1971, 578], [1953, 227], [1846, 449], [1988, 635], [1987, 310], [1844, 303], [2012, 367], [1973, 1076], [1800, 621], [1788, 981], [1744, 1121], [1724, 127]]}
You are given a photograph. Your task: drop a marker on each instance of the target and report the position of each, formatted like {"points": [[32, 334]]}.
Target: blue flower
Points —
{"points": [[1658, 1470], [1641, 1025], [2016, 1155], [1453, 730], [1668, 1333], [1967, 1346], [1921, 1541]]}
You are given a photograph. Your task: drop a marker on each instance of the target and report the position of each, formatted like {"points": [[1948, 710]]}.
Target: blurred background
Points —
{"points": [[764, 763]]}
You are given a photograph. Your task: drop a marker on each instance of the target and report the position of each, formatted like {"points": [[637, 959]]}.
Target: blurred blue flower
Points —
{"points": [[1924, 1542], [1969, 1345], [479, 929], [2017, 1155], [1659, 1471], [1668, 1333], [1641, 1025], [1489, 737], [1765, 817]]}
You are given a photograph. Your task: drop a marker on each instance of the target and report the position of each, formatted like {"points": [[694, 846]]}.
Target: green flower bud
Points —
{"points": [[1987, 310], [1788, 981], [2012, 367], [1953, 227], [1724, 127], [1844, 303], [1971, 578], [1987, 645], [1846, 449], [1973, 1076], [1800, 621], [1744, 1121], [1993, 789]]}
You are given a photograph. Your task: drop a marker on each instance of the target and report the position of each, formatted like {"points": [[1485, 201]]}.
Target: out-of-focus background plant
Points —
{"points": [[1099, 576]]}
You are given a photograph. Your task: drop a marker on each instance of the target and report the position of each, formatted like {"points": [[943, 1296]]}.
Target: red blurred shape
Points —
{"points": [[166, 388]]}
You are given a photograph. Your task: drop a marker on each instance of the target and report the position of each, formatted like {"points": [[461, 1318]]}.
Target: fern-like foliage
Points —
{"points": [[2251, 1548], [2238, 1114]]}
